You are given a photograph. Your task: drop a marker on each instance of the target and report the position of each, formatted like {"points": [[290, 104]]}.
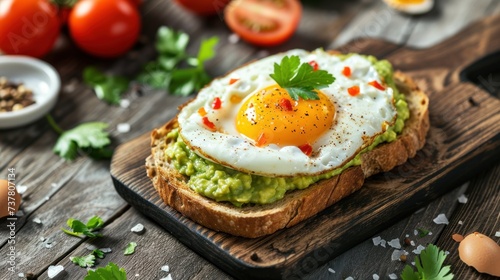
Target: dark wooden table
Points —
{"points": [[58, 190]]}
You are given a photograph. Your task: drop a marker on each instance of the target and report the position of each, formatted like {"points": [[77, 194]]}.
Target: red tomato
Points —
{"points": [[263, 22], [203, 7], [28, 27], [104, 28]]}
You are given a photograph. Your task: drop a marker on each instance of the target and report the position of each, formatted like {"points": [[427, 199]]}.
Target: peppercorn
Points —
{"points": [[14, 97]]}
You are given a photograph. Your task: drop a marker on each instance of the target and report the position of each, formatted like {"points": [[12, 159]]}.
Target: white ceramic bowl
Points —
{"points": [[37, 75]]}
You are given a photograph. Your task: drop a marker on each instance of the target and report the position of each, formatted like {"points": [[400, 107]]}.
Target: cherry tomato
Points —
{"points": [[28, 27], [104, 28], [203, 7], [263, 22]]}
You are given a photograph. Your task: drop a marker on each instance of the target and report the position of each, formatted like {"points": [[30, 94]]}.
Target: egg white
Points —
{"points": [[358, 119]]}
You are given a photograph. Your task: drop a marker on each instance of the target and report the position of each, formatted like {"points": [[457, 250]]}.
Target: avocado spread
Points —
{"points": [[224, 184]]}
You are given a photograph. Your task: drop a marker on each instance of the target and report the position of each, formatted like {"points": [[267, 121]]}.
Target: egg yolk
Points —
{"points": [[410, 1], [271, 116]]}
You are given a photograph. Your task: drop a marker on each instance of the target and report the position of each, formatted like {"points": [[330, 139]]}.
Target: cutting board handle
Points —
{"points": [[484, 72]]}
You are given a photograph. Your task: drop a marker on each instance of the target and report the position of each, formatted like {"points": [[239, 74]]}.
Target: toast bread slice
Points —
{"points": [[258, 220]]}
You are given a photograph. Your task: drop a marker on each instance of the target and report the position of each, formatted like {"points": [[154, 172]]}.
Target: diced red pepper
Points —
{"points": [[314, 65], [210, 125], [306, 149], [261, 140], [286, 104], [347, 71], [202, 111], [353, 91], [232, 81], [216, 104], [376, 85]]}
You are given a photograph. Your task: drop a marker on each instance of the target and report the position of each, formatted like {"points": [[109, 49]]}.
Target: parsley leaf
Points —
{"points": [[88, 260], [98, 253], [429, 266], [166, 71], [110, 272], [78, 228], [300, 80], [422, 232], [130, 249], [89, 137], [107, 88], [85, 261]]}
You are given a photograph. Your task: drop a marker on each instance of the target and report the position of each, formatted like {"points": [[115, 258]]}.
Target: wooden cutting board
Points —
{"points": [[463, 139]]}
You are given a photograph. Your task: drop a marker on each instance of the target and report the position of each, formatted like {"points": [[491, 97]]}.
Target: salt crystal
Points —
{"points": [[413, 263], [21, 189], [106, 250], [415, 232], [395, 243], [377, 240], [54, 270], [407, 235], [382, 243], [139, 228], [376, 277], [393, 276], [418, 250], [460, 222], [137, 275], [430, 233], [37, 221], [233, 38], [446, 252], [349, 278], [91, 247], [42, 239], [47, 198], [48, 245], [462, 199], [441, 220], [124, 103], [169, 277], [20, 275], [54, 185], [396, 254], [165, 268], [412, 243], [123, 127], [497, 234]]}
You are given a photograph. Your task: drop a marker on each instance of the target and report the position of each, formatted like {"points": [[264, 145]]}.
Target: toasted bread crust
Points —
{"points": [[258, 220]]}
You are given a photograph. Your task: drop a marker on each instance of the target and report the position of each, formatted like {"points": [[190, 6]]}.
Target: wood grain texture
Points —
{"points": [[463, 139]]}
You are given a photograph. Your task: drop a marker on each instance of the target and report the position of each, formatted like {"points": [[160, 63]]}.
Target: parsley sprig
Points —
{"points": [[300, 80], [130, 249], [88, 260], [90, 138], [107, 87], [79, 228], [429, 266], [169, 70], [109, 272]]}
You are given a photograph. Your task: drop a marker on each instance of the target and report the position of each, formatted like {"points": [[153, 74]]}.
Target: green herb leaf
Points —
{"points": [[422, 232], [107, 88], [98, 253], [429, 266], [85, 261], [171, 43], [110, 272], [78, 228], [300, 80], [89, 137], [130, 249], [165, 71]]}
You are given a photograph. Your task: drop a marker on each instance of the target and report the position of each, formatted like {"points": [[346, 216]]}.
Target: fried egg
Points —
{"points": [[246, 122], [413, 7]]}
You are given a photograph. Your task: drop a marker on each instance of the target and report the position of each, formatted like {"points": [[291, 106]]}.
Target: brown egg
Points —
{"points": [[9, 202], [481, 252]]}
